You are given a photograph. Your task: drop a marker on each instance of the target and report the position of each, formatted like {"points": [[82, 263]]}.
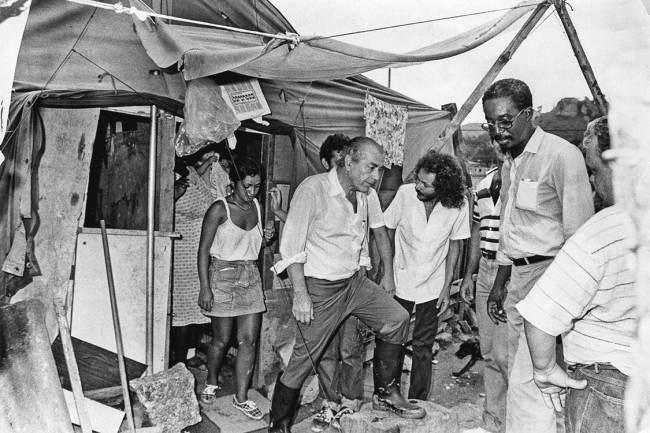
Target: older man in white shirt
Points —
{"points": [[429, 220], [327, 226]]}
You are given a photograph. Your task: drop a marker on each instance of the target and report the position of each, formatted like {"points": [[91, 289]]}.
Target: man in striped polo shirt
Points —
{"points": [[482, 258], [587, 295]]}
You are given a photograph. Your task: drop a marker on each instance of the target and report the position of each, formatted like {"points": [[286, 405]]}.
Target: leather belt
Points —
{"points": [[530, 260], [490, 255]]}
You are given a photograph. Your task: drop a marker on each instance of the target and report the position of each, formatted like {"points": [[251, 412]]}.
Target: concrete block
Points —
{"points": [[168, 398], [439, 419]]}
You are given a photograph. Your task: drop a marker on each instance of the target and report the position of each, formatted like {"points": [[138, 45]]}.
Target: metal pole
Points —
{"points": [[151, 213], [117, 329], [579, 52], [389, 76]]}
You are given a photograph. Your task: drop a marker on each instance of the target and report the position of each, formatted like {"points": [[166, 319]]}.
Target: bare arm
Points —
{"points": [[498, 294], [302, 308], [450, 265], [213, 218], [549, 377], [386, 254], [472, 266]]}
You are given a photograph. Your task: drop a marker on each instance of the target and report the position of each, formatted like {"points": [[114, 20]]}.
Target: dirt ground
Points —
{"points": [[465, 394]]}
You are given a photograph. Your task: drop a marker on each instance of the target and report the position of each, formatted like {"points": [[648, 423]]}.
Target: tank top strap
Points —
{"points": [[259, 213], [225, 203]]}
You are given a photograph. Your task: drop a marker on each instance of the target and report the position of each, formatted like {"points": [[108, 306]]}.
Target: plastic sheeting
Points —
{"points": [[201, 51]]}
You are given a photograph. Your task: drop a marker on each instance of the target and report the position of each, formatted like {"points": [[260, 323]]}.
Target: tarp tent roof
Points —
{"points": [[85, 56], [202, 51]]}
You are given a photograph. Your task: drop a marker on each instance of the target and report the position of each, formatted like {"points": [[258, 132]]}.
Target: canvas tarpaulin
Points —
{"points": [[202, 51]]}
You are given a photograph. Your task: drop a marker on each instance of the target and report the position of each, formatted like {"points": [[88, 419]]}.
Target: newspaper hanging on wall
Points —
{"points": [[13, 16], [386, 124], [246, 99]]}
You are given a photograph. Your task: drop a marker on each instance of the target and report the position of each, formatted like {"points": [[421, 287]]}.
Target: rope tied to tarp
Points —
{"points": [[293, 38]]}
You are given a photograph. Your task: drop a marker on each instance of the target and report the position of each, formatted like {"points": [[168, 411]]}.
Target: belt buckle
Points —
{"points": [[526, 260]]}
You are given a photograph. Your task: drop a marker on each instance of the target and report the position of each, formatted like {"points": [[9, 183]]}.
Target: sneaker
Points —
{"points": [[323, 419], [248, 407]]}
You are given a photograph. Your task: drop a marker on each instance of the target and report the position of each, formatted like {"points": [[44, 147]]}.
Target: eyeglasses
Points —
{"points": [[502, 125]]}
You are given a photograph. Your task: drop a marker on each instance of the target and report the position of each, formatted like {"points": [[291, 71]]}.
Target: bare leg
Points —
{"points": [[248, 331], [221, 331]]}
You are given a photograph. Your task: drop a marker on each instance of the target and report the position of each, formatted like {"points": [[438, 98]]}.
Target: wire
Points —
{"points": [[425, 21]]}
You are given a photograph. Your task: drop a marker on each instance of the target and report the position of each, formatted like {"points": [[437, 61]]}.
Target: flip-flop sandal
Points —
{"points": [[209, 394]]}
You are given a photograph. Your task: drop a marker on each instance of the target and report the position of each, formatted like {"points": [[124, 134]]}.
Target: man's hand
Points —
{"points": [[303, 309], [495, 305], [443, 300], [205, 299], [553, 384], [466, 289], [388, 284]]}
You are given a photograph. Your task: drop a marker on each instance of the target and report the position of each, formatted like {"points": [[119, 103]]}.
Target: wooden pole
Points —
{"points": [[117, 329], [73, 369], [489, 77], [151, 215], [579, 52]]}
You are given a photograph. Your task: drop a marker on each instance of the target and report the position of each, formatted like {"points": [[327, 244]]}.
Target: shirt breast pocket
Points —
{"points": [[526, 198]]}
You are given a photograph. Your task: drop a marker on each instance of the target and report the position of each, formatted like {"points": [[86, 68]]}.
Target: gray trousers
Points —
{"points": [[341, 366], [333, 302]]}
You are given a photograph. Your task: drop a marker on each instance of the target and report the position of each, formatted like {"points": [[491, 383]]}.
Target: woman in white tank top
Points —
{"points": [[231, 288]]}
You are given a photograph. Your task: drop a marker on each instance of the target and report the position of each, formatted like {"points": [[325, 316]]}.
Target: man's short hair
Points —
{"points": [[355, 149], [601, 130], [449, 182], [333, 143], [512, 88]]}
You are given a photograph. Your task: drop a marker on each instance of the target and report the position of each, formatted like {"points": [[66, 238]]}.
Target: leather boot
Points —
{"points": [[283, 407], [387, 372]]}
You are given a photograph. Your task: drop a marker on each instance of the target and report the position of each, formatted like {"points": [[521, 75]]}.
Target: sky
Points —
{"points": [[545, 60]]}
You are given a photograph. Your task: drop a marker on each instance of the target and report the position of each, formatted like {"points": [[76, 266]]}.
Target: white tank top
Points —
{"points": [[231, 242]]}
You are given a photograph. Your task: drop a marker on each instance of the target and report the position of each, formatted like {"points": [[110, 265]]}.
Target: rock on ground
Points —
{"points": [[168, 398], [439, 419]]}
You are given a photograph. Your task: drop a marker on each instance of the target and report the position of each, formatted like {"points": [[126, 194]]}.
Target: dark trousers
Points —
{"points": [[424, 334], [333, 302], [341, 366]]}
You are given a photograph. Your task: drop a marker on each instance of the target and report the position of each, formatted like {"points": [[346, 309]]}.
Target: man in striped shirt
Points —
{"points": [[482, 258], [587, 296]]}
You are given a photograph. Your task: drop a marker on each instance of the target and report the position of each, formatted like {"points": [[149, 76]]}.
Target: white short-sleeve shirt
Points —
{"points": [[421, 246]]}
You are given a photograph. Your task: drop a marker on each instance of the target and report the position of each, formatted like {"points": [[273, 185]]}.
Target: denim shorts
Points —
{"points": [[599, 407], [236, 288]]}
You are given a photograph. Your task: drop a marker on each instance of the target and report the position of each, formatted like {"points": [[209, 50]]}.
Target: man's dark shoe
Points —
{"points": [[283, 407], [387, 373]]}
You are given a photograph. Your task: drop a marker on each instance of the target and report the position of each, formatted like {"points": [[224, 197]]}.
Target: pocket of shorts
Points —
{"points": [[526, 198], [228, 273]]}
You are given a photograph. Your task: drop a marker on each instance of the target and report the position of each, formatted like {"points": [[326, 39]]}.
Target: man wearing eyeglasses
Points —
{"points": [[545, 198]]}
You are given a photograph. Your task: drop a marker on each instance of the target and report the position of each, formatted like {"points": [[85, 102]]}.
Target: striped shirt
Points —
{"points": [[487, 214], [588, 295]]}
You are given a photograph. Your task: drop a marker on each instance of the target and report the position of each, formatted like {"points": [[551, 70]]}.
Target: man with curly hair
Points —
{"points": [[427, 221]]}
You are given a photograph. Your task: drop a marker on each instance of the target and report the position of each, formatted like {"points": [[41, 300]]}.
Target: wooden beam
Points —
{"points": [[489, 77], [457, 138], [579, 52]]}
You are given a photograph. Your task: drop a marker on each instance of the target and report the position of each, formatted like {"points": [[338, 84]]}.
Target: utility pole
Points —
{"points": [[579, 52]]}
